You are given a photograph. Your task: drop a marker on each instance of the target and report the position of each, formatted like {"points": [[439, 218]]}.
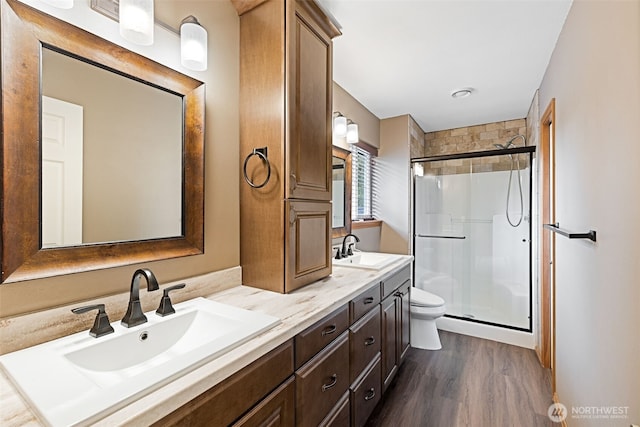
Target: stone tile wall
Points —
{"points": [[470, 139]]}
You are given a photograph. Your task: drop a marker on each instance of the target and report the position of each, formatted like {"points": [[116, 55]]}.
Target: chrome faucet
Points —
{"points": [[134, 315], [344, 252]]}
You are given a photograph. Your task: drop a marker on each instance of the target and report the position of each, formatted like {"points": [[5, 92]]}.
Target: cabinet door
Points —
{"points": [[275, 410], [308, 240], [310, 104], [405, 320], [389, 340]]}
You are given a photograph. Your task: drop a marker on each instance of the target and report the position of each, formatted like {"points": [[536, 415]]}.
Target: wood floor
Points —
{"points": [[470, 382]]}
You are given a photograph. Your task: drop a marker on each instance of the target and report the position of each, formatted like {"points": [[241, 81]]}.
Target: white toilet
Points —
{"points": [[425, 309]]}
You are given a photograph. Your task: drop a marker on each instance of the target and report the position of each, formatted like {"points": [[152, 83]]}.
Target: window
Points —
{"points": [[362, 172]]}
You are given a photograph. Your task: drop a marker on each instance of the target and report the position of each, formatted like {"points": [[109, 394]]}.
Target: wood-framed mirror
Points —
{"points": [[341, 192], [29, 37]]}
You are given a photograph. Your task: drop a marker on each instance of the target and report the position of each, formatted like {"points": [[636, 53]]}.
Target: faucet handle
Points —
{"points": [[101, 325], [350, 250], [166, 307]]}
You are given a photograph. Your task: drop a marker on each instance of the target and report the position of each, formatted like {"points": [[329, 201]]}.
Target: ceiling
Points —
{"points": [[407, 56]]}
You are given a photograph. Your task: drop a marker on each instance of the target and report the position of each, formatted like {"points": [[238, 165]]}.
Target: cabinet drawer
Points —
{"points": [[365, 395], [340, 414], [221, 404], [322, 381], [364, 302], [275, 410], [364, 342], [392, 283], [316, 337]]}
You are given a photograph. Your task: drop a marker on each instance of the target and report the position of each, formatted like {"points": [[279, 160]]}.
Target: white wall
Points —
{"points": [[594, 74]]}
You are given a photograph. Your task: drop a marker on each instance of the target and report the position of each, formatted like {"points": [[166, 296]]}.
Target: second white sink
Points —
{"points": [[368, 260], [79, 379]]}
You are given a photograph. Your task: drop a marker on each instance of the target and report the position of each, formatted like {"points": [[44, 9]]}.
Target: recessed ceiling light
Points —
{"points": [[462, 93]]}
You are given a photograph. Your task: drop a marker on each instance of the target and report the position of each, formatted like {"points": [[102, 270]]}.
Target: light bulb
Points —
{"points": [[340, 126], [193, 44], [352, 133], [137, 21]]}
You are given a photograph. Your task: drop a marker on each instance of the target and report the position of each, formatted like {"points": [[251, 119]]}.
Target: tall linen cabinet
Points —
{"points": [[285, 112]]}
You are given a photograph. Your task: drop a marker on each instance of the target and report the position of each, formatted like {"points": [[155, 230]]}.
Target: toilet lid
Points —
{"points": [[423, 298]]}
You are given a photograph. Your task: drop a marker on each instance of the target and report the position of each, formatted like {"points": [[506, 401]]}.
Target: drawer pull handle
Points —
{"points": [[334, 380], [329, 330], [370, 394], [369, 341], [368, 300]]}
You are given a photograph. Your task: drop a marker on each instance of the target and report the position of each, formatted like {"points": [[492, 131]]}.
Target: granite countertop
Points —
{"points": [[297, 310]]}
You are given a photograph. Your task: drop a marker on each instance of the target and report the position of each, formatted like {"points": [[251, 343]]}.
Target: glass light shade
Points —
{"points": [[60, 4], [137, 21], [193, 44], [340, 126], [352, 133]]}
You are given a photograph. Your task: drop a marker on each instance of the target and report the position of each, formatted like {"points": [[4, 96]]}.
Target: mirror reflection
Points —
{"points": [[111, 156], [338, 191], [341, 192]]}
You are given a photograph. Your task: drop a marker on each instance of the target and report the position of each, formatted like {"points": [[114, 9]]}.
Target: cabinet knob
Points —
{"points": [[370, 394], [333, 381]]}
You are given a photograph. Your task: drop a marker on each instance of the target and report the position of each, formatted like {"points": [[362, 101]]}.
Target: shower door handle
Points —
{"points": [[438, 236]]}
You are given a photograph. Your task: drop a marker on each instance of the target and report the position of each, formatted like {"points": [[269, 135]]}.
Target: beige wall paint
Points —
{"points": [[221, 178], [394, 183], [594, 75], [351, 108]]}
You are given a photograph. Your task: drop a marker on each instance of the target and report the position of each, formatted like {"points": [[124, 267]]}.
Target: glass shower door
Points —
{"points": [[469, 247]]}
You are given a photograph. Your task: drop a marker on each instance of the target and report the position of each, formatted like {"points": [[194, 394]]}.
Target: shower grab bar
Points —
{"points": [[436, 236], [591, 234]]}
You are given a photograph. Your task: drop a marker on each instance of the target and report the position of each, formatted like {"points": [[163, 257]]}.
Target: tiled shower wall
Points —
{"points": [[469, 139], [473, 138]]}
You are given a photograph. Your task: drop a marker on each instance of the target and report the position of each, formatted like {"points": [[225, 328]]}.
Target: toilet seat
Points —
{"points": [[422, 298]]}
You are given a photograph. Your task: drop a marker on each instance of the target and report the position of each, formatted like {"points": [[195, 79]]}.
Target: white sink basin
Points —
{"points": [[368, 260], [79, 379]]}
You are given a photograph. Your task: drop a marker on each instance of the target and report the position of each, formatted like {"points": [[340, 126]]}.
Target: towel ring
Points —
{"points": [[262, 153]]}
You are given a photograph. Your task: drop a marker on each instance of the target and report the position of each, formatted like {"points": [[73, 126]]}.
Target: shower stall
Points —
{"points": [[472, 234]]}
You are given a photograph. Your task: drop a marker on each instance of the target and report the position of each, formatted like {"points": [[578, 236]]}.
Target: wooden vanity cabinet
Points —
{"points": [[286, 108], [249, 388], [395, 323]]}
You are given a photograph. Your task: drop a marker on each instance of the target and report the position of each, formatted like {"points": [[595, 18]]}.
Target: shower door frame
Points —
{"points": [[531, 150]]}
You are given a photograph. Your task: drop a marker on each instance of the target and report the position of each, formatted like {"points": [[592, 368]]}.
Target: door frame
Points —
{"points": [[546, 348]]}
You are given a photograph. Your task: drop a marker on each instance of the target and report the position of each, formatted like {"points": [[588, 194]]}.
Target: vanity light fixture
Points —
{"points": [[136, 21], [462, 93], [193, 44], [136, 18], [352, 132], [60, 4], [339, 125]]}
